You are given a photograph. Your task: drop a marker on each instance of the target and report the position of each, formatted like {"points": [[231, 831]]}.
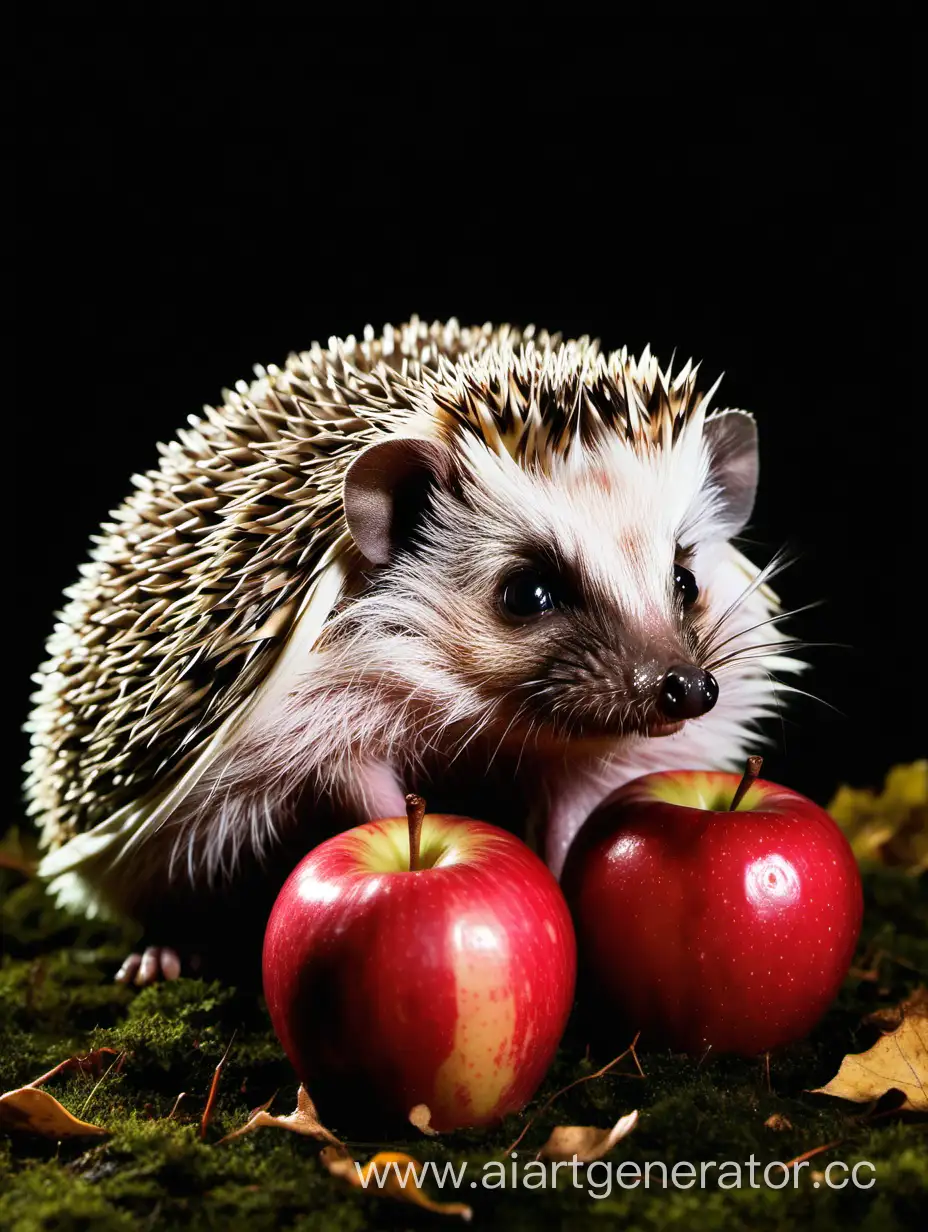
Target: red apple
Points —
{"points": [[707, 927], [449, 985]]}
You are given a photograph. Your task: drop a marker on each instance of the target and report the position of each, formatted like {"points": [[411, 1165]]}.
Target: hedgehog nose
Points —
{"points": [[687, 692]]}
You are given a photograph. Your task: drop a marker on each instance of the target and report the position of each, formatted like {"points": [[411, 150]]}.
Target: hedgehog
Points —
{"points": [[488, 564]]}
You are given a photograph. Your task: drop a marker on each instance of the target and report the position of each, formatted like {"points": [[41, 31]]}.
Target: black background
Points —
{"points": [[193, 200]]}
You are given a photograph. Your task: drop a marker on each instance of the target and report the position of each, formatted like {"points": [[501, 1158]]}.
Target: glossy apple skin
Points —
{"points": [[449, 986], [711, 929]]}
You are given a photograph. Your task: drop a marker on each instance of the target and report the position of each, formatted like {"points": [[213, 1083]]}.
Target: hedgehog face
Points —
{"points": [[572, 603]]}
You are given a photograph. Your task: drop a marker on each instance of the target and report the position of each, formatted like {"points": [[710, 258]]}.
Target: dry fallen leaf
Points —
{"points": [[389, 1174], [898, 1061], [890, 1018], [892, 827], [304, 1120], [421, 1118], [586, 1141], [778, 1121], [30, 1111]]}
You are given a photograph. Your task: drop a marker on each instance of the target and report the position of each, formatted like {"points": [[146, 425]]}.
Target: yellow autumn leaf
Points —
{"points": [[890, 827], [303, 1120], [390, 1174], [898, 1061], [587, 1142], [28, 1110]]}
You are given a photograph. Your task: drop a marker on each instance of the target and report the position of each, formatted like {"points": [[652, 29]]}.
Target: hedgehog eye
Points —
{"points": [[526, 595], [685, 585]]}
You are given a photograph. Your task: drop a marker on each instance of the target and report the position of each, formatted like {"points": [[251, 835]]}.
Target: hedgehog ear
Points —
{"points": [[386, 489], [731, 437]]}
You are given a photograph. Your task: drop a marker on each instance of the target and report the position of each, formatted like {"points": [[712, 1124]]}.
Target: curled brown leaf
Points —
{"points": [[586, 1142], [303, 1120], [390, 1174], [898, 1061], [421, 1118]]}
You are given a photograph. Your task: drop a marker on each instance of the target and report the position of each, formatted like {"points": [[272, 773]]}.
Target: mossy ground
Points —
{"points": [[57, 998]]}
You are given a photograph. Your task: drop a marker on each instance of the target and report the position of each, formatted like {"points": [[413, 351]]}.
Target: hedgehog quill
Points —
{"points": [[491, 565]]}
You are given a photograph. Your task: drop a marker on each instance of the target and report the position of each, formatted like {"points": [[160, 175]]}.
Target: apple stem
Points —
{"points": [[415, 811], [751, 771]]}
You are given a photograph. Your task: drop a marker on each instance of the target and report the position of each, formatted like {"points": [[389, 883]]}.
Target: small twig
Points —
{"points": [[101, 1079], [869, 966], [176, 1105], [37, 1082], [863, 1122], [702, 1059], [864, 976], [214, 1090], [816, 1150], [577, 1082], [78, 1063]]}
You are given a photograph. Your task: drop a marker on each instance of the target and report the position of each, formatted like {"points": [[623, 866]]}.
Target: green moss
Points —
{"points": [[57, 998]]}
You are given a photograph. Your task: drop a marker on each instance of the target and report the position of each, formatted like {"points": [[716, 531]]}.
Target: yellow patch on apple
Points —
{"points": [[480, 1061]]}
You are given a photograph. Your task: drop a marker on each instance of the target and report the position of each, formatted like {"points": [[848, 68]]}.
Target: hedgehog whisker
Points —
{"points": [[528, 732], [762, 651], [506, 731], [484, 722], [814, 697], [774, 683], [709, 650], [780, 561]]}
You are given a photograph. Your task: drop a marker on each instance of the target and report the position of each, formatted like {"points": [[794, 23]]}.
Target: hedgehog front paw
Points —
{"points": [[145, 968]]}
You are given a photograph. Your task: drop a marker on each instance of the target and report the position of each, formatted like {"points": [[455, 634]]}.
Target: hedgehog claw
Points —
{"points": [[126, 973], [143, 969], [170, 963]]}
